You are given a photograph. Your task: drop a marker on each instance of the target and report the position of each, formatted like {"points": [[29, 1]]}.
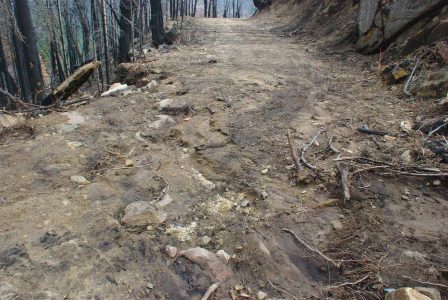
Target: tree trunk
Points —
{"points": [[96, 43], [81, 9], [105, 42], [20, 68], [156, 23], [29, 44], [8, 79], [205, 8], [125, 31], [61, 32], [194, 8], [209, 9]]}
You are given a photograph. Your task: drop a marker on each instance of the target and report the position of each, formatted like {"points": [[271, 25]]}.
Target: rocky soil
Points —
{"points": [[187, 180]]}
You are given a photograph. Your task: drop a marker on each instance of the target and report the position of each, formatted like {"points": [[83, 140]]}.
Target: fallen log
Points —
{"points": [[72, 83]]}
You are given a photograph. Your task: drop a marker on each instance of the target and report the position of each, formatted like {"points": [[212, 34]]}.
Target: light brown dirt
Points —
{"points": [[65, 238]]}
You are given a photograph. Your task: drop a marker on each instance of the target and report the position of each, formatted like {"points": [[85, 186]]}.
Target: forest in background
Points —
{"points": [[44, 43]]}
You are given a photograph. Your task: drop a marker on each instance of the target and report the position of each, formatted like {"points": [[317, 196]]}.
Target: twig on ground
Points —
{"points": [[419, 174], [121, 168], [304, 149], [367, 169], [426, 282], [406, 85], [210, 291], [348, 283], [405, 170], [344, 182], [293, 153], [331, 147], [437, 129], [298, 239], [282, 290]]}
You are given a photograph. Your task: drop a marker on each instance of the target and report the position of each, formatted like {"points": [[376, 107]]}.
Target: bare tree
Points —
{"points": [[125, 30], [156, 23], [30, 51], [105, 41]]}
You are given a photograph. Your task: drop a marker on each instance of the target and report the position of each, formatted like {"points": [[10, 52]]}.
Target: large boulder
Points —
{"points": [[383, 21]]}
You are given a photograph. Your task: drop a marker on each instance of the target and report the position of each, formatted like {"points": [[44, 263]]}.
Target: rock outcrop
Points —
{"points": [[410, 23]]}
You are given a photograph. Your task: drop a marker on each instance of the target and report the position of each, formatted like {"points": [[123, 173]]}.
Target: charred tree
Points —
{"points": [[81, 10], [6, 78], [125, 31], [31, 53], [156, 23], [105, 41]]}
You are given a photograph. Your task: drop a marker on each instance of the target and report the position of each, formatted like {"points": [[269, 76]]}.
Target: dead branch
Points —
{"points": [[16, 100], [210, 291], [404, 170], [348, 283], [366, 169], [331, 147], [282, 290], [426, 282], [293, 153], [437, 129], [419, 174], [336, 264], [302, 155], [344, 182], [406, 85]]}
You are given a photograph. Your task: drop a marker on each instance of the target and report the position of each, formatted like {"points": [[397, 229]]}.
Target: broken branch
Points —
{"points": [[334, 263], [16, 100], [210, 291], [344, 182], [348, 283], [302, 155], [406, 86], [293, 153], [282, 290], [404, 170]]}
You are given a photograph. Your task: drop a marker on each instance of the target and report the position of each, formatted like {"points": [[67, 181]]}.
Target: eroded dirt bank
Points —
{"points": [[209, 151]]}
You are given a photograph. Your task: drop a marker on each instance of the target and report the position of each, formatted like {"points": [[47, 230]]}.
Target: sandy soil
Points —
{"points": [[225, 164]]}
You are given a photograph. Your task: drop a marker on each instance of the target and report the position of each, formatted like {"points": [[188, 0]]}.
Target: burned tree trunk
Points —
{"points": [[5, 76], [81, 9], [156, 23], [31, 52], [105, 41], [194, 7], [125, 31]]}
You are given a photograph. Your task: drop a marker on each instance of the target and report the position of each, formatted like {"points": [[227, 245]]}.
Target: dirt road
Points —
{"points": [[209, 150]]}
